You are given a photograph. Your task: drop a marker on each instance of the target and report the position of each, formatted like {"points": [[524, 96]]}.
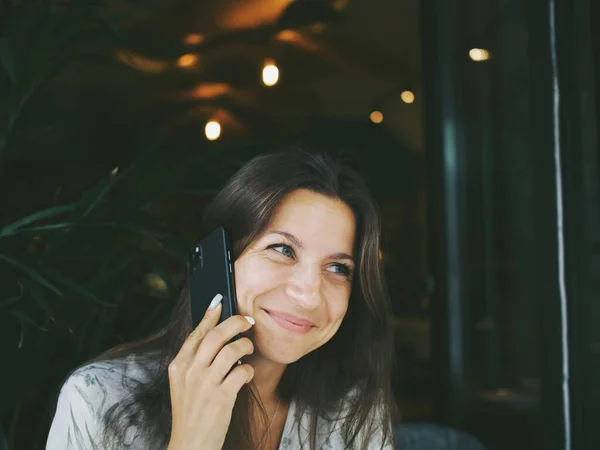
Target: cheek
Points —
{"points": [[243, 282], [338, 306], [254, 277]]}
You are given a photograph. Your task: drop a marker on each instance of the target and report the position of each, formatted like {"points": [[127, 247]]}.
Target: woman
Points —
{"points": [[314, 313]]}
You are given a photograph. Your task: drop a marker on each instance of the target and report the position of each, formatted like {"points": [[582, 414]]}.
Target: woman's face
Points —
{"points": [[295, 278]]}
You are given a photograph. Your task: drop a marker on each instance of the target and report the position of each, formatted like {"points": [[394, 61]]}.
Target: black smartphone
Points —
{"points": [[210, 272]]}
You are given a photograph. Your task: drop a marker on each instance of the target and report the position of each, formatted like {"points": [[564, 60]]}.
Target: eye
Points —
{"points": [[342, 269], [284, 249]]}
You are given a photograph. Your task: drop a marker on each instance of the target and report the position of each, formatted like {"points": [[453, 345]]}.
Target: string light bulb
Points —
{"points": [[188, 60], [270, 73], [376, 117], [193, 38], [407, 96], [212, 130], [479, 54]]}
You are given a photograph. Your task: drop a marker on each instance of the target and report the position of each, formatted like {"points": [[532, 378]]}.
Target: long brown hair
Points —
{"points": [[358, 359]]}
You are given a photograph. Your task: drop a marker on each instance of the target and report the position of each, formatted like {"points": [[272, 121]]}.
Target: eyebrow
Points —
{"points": [[298, 243]]}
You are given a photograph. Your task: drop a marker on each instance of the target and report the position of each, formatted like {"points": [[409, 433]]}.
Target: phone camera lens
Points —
{"points": [[195, 258]]}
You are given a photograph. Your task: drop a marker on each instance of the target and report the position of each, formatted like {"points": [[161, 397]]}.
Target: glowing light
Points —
{"points": [[376, 117], [407, 96], [115, 171], [187, 60], [288, 36], [479, 54], [270, 73], [193, 39], [210, 90], [212, 130]]}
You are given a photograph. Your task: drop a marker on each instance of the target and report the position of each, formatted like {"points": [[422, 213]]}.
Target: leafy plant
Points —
{"points": [[37, 37], [69, 271], [77, 276]]}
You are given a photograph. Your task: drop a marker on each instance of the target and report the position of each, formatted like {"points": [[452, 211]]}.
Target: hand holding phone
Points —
{"points": [[210, 270], [202, 382]]}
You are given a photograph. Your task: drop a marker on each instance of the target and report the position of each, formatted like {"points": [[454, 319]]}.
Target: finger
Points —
{"points": [[209, 321], [219, 336], [229, 356], [239, 376]]}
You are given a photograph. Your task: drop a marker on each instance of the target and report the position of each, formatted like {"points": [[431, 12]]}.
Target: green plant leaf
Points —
{"points": [[7, 61], [23, 319], [41, 300], [92, 198], [77, 288], [54, 226], [34, 275], [110, 269], [38, 215]]}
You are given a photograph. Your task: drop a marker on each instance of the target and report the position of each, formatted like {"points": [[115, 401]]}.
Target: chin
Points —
{"points": [[278, 355], [276, 350]]}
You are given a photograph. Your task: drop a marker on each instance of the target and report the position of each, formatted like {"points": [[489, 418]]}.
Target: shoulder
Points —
{"points": [[85, 397], [101, 384], [115, 373], [332, 427], [375, 432]]}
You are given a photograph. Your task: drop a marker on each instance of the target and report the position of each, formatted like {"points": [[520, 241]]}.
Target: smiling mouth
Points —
{"points": [[290, 323]]}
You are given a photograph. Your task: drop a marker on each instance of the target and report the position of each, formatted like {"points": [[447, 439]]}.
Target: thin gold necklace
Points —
{"points": [[264, 438]]}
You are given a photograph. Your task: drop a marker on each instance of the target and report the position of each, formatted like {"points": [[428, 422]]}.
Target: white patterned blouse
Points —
{"points": [[91, 390]]}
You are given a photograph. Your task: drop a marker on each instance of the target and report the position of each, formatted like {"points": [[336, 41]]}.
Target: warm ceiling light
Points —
{"points": [[407, 96], [210, 90], [212, 130], [193, 38], [270, 73], [287, 36], [479, 54], [187, 60], [376, 117]]}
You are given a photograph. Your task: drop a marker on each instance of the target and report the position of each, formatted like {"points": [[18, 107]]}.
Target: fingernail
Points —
{"points": [[215, 301], [250, 319]]}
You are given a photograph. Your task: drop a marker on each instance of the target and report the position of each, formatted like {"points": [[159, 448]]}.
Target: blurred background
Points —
{"points": [[474, 123]]}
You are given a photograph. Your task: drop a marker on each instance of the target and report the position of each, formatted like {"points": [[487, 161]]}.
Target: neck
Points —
{"points": [[267, 375]]}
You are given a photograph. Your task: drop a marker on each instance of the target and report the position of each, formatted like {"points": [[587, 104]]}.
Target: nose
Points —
{"points": [[305, 286]]}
